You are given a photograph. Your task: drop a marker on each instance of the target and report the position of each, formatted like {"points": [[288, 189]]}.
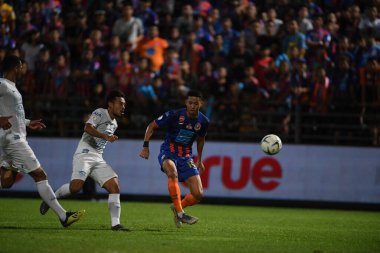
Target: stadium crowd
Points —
{"points": [[254, 61]]}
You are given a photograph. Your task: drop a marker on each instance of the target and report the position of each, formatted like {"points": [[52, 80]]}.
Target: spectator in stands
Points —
{"points": [[54, 21], [113, 54], [203, 37], [294, 38], [100, 24], [129, 28], [185, 21], [8, 16], [153, 47], [371, 22], [272, 17], [123, 72], [251, 33], [318, 36], [217, 53], [304, 21], [76, 31], [25, 26], [43, 73], [229, 34], [192, 52], [370, 97], [300, 84], [213, 22], [319, 101], [344, 99], [57, 46], [147, 15], [239, 57], [174, 39], [31, 48]]}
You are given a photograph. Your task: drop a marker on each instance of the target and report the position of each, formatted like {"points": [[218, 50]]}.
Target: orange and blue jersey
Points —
{"points": [[182, 131]]}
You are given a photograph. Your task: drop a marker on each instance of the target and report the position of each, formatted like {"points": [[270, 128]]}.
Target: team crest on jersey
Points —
{"points": [[197, 126], [181, 119], [189, 126]]}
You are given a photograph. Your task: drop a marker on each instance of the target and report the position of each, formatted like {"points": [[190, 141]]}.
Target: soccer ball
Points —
{"points": [[271, 144]]}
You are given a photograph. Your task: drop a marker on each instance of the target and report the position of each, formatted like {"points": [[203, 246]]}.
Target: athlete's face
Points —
{"points": [[117, 107], [193, 104]]}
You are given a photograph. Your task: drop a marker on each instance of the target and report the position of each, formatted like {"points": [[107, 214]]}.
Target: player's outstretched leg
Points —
{"points": [[62, 192]]}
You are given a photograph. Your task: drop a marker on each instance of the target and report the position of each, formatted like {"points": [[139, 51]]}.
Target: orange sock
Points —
{"points": [[189, 200], [175, 194]]}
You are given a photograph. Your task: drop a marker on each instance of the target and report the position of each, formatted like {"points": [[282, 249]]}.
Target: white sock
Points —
{"points": [[180, 214], [63, 191], [114, 207], [49, 197]]}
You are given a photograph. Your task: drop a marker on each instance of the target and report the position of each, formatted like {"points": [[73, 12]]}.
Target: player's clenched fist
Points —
{"points": [[144, 153], [111, 138]]}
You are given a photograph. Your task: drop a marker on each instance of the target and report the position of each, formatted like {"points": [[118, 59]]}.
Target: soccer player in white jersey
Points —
{"points": [[88, 158], [16, 153]]}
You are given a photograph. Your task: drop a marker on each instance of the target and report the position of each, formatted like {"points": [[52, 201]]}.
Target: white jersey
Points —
{"points": [[101, 121], [11, 105]]}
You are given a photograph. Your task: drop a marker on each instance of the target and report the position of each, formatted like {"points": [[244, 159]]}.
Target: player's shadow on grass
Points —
{"points": [[50, 228], [76, 228]]}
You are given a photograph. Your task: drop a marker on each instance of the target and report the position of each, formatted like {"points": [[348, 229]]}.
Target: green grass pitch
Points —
{"points": [[220, 229]]}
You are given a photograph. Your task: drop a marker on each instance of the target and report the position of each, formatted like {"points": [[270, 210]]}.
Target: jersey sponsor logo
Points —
{"points": [[16, 137], [197, 126], [184, 136], [189, 126], [85, 150], [97, 114], [181, 119]]}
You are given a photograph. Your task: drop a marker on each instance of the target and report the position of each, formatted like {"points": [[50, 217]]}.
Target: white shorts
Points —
{"points": [[93, 165], [19, 157]]}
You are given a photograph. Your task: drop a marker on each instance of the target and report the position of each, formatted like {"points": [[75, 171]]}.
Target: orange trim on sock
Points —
{"points": [[189, 200], [175, 194]]}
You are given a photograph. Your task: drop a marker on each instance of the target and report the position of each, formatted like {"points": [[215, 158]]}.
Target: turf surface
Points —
{"points": [[220, 229]]}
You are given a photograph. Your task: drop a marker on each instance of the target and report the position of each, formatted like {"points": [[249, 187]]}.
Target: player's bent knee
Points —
{"points": [[76, 186], [172, 174], [6, 184], [112, 185], [38, 175], [198, 195]]}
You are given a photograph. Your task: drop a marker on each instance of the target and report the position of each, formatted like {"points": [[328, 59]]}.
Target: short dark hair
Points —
{"points": [[114, 94], [194, 93], [10, 62]]}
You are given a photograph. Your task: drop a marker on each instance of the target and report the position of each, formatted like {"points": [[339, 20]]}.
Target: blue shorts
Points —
{"points": [[185, 166]]}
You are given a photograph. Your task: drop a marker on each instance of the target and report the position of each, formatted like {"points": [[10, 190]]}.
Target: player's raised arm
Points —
{"points": [[91, 130], [148, 134]]}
